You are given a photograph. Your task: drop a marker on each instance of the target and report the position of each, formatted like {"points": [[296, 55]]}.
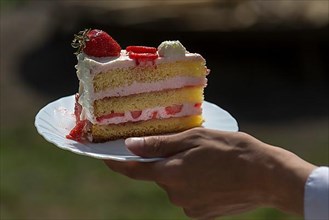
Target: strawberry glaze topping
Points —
{"points": [[141, 49], [142, 54]]}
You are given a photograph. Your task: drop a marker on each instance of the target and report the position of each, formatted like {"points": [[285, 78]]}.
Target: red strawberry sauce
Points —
{"points": [[77, 132], [135, 114], [111, 115], [173, 109]]}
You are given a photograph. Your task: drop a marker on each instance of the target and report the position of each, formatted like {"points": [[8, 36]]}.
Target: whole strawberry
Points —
{"points": [[96, 43]]}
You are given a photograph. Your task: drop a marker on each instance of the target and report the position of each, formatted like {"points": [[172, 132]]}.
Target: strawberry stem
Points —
{"points": [[79, 40]]}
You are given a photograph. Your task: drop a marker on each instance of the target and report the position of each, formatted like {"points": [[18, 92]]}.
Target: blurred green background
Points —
{"points": [[269, 69]]}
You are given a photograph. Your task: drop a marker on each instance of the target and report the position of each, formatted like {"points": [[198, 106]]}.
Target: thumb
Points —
{"points": [[159, 146]]}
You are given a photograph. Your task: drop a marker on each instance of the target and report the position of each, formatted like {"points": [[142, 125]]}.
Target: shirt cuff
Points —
{"points": [[316, 195]]}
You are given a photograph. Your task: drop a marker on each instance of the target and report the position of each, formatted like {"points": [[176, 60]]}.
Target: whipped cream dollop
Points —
{"points": [[171, 49]]}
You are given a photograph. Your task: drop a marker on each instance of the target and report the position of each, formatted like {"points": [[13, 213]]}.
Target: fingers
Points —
{"points": [[163, 145], [133, 169], [162, 172]]}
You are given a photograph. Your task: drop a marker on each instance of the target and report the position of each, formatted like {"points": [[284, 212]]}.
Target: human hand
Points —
{"points": [[215, 173]]}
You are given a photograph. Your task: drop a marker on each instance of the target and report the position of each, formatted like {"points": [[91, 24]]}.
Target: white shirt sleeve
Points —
{"points": [[316, 197]]}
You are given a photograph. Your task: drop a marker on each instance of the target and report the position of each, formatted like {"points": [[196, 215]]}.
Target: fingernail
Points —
{"points": [[134, 142]]}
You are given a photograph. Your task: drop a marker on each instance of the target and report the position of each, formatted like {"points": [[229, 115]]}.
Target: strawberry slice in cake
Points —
{"points": [[137, 91]]}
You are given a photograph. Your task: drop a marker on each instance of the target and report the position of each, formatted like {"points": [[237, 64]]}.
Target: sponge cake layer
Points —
{"points": [[126, 76], [102, 133]]}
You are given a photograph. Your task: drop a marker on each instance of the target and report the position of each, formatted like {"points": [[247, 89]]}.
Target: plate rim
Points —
{"points": [[107, 157]]}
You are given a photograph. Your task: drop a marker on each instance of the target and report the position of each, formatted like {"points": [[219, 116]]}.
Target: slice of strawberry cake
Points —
{"points": [[137, 91]]}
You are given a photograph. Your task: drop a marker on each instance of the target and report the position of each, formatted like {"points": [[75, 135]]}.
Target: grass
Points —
{"points": [[40, 181]]}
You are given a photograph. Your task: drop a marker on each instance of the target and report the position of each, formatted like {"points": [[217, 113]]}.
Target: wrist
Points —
{"points": [[287, 178]]}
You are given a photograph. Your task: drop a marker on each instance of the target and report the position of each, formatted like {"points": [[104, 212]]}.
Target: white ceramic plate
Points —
{"points": [[56, 119]]}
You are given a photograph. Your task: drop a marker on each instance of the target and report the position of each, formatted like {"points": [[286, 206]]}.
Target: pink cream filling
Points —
{"points": [[152, 113], [136, 88]]}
